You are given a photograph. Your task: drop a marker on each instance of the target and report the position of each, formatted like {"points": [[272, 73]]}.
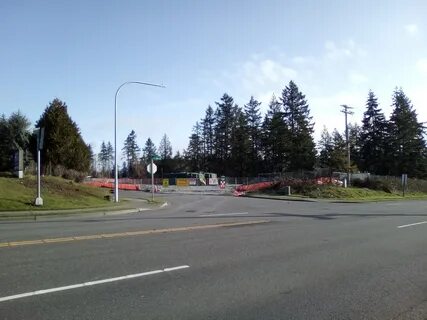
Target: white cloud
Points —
{"points": [[422, 65], [259, 76], [301, 59], [357, 78], [411, 29], [324, 78], [348, 49], [326, 109], [418, 96], [265, 72]]}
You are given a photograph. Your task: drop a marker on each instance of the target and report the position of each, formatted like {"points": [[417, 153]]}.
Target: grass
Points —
{"points": [[57, 193], [351, 193]]}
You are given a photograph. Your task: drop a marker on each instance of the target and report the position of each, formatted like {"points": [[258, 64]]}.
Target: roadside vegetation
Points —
{"points": [[57, 193], [370, 189]]}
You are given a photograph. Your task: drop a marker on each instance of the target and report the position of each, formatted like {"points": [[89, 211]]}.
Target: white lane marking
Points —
{"points": [[412, 224], [164, 205], [90, 283], [223, 214]]}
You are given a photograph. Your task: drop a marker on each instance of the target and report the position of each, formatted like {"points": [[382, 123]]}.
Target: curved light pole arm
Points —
{"points": [[116, 175]]}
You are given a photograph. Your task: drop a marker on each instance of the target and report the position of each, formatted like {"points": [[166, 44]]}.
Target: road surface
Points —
{"points": [[220, 257]]}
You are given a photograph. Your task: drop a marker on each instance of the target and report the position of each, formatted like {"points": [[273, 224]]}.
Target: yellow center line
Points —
{"points": [[128, 234]]}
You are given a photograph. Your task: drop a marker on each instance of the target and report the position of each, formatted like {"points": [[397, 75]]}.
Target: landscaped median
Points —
{"points": [[60, 197]]}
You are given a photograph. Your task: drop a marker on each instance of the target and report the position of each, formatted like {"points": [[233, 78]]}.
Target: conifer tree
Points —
{"points": [[373, 138], [301, 152], [406, 138], [63, 143]]}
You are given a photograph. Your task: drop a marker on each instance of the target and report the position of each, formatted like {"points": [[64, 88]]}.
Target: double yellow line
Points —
{"points": [[128, 234]]}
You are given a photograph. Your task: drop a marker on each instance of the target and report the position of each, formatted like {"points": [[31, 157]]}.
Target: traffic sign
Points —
{"points": [[154, 168]]}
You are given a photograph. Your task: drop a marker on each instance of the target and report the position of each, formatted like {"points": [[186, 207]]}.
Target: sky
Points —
{"points": [[82, 51]]}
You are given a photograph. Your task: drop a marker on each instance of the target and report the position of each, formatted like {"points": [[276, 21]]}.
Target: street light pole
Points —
{"points": [[116, 175]]}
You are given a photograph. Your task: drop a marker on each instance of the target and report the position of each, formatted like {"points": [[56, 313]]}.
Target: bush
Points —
{"points": [[69, 174], [375, 184], [74, 175], [301, 186]]}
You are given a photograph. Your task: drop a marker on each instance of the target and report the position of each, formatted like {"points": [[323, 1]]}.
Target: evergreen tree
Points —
{"points": [[208, 138], [338, 159], [253, 116], [193, 153], [225, 118], [274, 138], [131, 153], [301, 152], [149, 151], [354, 136], [103, 158], [179, 163], [165, 152], [373, 138], [110, 158], [326, 147], [63, 143], [5, 145], [407, 138], [240, 147], [165, 148], [123, 171], [14, 133]]}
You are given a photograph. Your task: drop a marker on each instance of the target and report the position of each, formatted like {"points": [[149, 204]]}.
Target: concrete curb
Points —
{"points": [[34, 215], [282, 198], [324, 200]]}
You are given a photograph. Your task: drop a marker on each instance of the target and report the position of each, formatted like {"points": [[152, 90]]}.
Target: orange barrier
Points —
{"points": [[240, 190], [110, 185]]}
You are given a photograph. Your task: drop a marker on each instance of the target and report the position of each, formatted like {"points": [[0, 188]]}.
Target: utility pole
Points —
{"points": [[346, 110]]}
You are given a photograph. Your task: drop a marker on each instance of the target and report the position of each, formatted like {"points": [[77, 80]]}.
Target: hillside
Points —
{"points": [[57, 193]]}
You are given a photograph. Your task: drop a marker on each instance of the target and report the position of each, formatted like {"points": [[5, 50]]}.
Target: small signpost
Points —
{"points": [[152, 168], [404, 183], [18, 163], [40, 139]]}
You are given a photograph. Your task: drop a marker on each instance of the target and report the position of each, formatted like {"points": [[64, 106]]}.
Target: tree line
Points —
{"points": [[64, 152], [235, 141], [380, 146]]}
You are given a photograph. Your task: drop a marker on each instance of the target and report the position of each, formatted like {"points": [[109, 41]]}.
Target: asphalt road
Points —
{"points": [[301, 261]]}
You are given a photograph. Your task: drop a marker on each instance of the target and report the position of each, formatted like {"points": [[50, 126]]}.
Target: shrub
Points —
{"points": [[375, 184], [74, 175]]}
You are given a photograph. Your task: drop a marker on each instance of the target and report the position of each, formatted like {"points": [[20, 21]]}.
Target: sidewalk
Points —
{"points": [[128, 205]]}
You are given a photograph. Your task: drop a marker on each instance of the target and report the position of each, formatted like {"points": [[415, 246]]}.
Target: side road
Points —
{"points": [[127, 205]]}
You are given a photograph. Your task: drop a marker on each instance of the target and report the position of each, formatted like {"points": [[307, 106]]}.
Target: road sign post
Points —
{"points": [[152, 168], [404, 183], [40, 139]]}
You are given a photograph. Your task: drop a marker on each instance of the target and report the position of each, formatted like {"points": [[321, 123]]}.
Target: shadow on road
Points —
{"points": [[324, 217]]}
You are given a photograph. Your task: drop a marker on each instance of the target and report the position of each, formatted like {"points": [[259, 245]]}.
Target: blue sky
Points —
{"points": [[81, 51]]}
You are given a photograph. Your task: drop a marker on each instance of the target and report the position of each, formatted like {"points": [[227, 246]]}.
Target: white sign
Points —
{"points": [[154, 168], [213, 181]]}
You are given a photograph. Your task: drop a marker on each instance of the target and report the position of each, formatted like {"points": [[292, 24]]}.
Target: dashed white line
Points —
{"points": [[223, 214], [90, 283], [412, 224]]}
